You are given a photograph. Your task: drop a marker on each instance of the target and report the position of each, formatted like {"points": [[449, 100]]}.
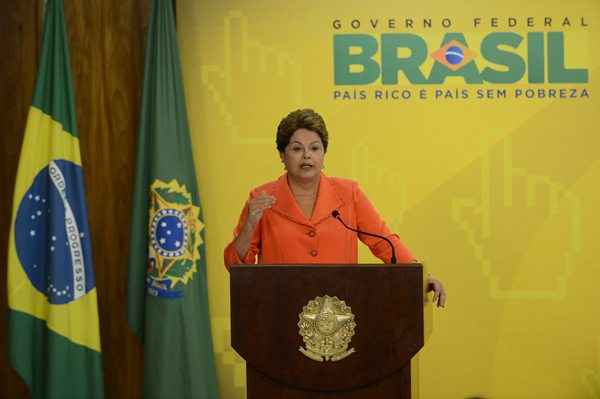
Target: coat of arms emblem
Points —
{"points": [[326, 326], [175, 239]]}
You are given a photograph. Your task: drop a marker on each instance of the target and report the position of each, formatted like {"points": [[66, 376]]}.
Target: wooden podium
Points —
{"points": [[387, 303]]}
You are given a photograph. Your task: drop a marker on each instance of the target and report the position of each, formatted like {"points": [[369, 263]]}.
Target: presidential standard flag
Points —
{"points": [[54, 337], [167, 300]]}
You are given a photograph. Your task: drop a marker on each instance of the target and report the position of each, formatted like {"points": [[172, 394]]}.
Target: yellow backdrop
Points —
{"points": [[497, 196]]}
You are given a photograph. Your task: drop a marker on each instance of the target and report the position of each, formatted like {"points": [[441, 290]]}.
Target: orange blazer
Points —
{"points": [[286, 235]]}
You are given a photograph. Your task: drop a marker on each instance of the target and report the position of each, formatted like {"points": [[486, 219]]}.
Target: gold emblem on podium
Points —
{"points": [[326, 326]]}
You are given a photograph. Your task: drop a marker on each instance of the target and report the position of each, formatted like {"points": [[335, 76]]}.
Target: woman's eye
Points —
{"points": [[316, 148], [296, 149]]}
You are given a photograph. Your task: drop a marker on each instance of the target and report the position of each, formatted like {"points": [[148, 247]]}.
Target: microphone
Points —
{"points": [[336, 215]]}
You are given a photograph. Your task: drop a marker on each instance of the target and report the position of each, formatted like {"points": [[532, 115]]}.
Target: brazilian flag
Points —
{"points": [[167, 302], [54, 338]]}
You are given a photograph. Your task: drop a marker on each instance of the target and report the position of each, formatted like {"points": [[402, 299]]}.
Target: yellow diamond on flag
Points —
{"points": [[454, 55]]}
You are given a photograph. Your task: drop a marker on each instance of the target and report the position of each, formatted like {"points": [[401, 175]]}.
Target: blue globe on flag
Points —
{"points": [[454, 55], [52, 234]]}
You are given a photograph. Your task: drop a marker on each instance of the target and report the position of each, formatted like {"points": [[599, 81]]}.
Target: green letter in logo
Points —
{"points": [[491, 52], [557, 73], [535, 57], [391, 64], [343, 59]]}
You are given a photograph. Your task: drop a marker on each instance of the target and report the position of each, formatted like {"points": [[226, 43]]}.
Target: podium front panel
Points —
{"points": [[387, 303]]}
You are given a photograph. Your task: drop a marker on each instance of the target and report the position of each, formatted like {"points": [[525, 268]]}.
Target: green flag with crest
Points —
{"points": [[167, 300]]}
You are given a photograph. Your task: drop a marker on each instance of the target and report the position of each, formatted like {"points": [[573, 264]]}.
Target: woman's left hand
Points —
{"points": [[439, 295]]}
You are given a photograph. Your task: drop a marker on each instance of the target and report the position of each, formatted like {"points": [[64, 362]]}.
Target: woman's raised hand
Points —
{"points": [[257, 207]]}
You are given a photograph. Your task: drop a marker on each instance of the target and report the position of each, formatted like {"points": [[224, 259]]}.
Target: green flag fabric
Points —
{"points": [[167, 302], [53, 336]]}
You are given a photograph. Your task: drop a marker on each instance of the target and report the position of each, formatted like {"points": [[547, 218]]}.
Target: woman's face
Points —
{"points": [[303, 156]]}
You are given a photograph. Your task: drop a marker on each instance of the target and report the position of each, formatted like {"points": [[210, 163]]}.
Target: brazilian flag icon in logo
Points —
{"points": [[454, 55]]}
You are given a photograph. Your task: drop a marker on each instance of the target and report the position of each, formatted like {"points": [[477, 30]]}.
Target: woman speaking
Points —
{"points": [[290, 220]]}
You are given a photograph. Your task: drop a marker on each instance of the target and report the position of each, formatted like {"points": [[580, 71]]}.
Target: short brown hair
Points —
{"points": [[301, 119]]}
